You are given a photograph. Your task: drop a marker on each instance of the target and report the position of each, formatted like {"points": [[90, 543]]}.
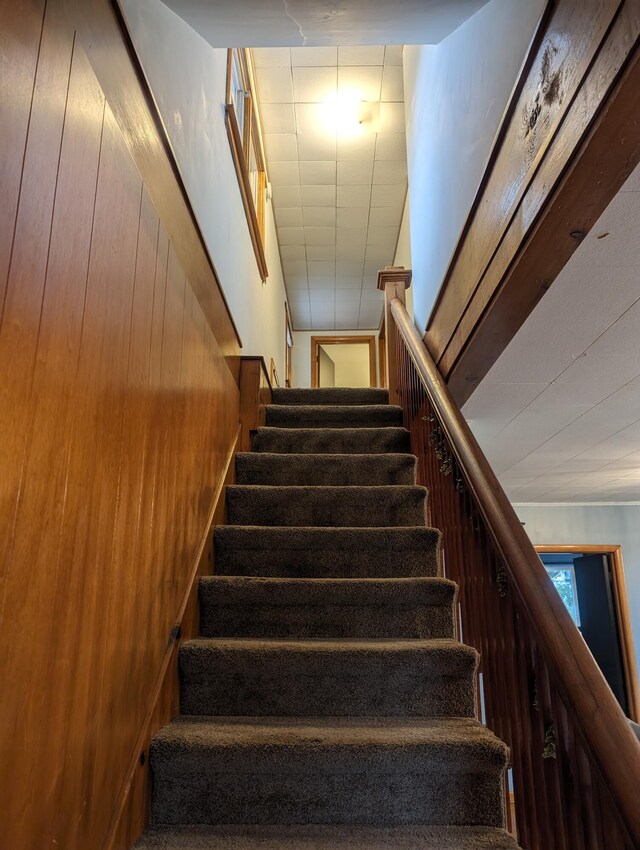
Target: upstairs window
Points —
{"points": [[245, 138]]}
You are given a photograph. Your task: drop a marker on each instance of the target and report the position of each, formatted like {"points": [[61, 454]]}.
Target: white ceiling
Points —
{"points": [[558, 415], [277, 23], [338, 198]]}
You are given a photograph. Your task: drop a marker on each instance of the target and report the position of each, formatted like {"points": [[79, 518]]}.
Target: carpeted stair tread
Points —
{"points": [[329, 395], [332, 415], [367, 771], [256, 504], [325, 469], [283, 552], [305, 678], [306, 608], [331, 440], [318, 837]]}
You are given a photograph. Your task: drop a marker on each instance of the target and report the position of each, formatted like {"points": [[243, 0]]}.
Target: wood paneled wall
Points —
{"points": [[118, 414], [570, 138]]}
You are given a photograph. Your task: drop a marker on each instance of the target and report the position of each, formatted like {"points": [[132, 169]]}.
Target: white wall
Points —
{"points": [[455, 96], [301, 357], [188, 80], [351, 364], [596, 524], [403, 251]]}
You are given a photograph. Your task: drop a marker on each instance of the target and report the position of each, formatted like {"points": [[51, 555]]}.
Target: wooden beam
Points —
{"points": [[549, 179]]}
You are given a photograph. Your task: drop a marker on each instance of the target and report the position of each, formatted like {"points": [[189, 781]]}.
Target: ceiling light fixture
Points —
{"points": [[348, 114]]}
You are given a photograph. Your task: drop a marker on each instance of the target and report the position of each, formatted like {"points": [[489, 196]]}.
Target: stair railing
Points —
{"points": [[575, 762]]}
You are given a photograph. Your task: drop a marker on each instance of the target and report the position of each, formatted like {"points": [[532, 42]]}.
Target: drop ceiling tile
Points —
{"points": [[320, 284], [319, 196], [291, 236], [361, 55], [284, 174], [351, 253], [391, 146], [354, 196], [271, 57], [366, 81], [633, 182], [392, 118], [384, 237], [349, 282], [360, 148], [621, 247], [297, 282], [389, 172], [324, 325], [370, 283], [318, 173], [348, 320], [374, 296], [317, 268], [294, 267], [300, 317], [311, 117], [280, 147], [348, 268], [347, 298], [275, 85], [321, 252], [385, 217], [320, 235], [299, 298], [387, 195], [353, 217], [317, 146], [353, 173], [351, 237], [278, 118], [289, 217], [292, 252], [392, 85], [314, 85], [286, 196], [319, 216], [393, 54], [313, 56]]}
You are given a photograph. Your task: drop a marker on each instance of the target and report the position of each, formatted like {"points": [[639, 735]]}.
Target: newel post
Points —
{"points": [[393, 281]]}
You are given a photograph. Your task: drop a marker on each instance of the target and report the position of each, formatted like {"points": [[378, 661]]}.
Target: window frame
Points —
{"points": [[245, 142]]}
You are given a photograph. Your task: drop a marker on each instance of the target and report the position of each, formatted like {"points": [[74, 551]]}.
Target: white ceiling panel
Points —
{"points": [[569, 381], [336, 160]]}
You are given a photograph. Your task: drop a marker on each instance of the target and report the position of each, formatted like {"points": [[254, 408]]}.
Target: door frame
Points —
{"points": [[621, 602], [317, 341]]}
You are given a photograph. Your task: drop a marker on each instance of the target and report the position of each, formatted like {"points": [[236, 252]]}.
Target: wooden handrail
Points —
{"points": [[578, 678]]}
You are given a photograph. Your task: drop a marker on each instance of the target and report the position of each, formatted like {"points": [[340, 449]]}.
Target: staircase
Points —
{"points": [[326, 703]]}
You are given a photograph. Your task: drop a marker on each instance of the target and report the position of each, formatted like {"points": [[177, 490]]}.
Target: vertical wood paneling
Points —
{"points": [[117, 412]]}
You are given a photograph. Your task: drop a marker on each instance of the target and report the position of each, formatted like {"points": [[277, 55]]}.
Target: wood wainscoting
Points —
{"points": [[119, 413], [569, 140]]}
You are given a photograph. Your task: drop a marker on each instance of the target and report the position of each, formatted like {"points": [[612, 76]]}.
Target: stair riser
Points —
{"points": [[342, 507], [379, 794], [325, 470], [330, 563], [320, 684], [342, 621], [326, 416], [330, 395], [331, 440]]}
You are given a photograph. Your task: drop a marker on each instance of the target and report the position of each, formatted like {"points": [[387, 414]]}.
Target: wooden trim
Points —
{"points": [[317, 341], [255, 393], [288, 349], [549, 179], [623, 615], [235, 142], [131, 810], [587, 695]]}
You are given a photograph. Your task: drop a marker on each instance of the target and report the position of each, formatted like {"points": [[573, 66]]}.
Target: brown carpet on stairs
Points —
{"points": [[327, 703]]}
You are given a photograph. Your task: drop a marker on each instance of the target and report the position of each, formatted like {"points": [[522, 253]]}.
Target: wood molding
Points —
{"points": [[317, 341], [255, 393], [621, 601], [131, 810], [549, 179]]}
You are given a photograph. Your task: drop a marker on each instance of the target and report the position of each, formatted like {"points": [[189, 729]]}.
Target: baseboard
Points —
{"points": [[132, 806]]}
